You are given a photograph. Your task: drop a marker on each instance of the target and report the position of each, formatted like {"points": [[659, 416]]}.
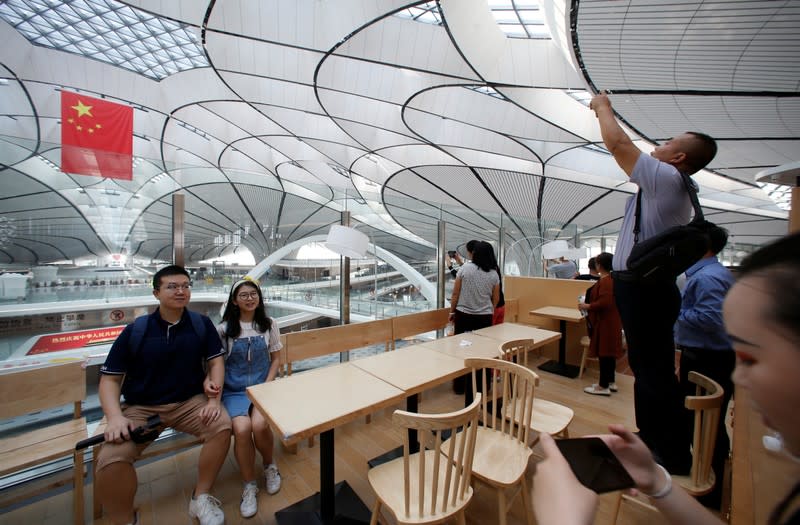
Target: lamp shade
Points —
{"points": [[555, 249], [347, 241], [577, 253]]}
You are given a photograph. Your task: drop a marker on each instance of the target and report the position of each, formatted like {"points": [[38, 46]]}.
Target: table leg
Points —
{"points": [[327, 505], [412, 405], [335, 503], [561, 367]]}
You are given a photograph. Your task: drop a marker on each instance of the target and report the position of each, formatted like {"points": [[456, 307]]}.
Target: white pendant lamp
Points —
{"points": [[347, 241], [555, 249]]}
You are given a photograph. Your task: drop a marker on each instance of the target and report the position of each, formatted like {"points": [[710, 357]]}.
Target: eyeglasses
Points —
{"points": [[247, 295], [174, 287]]}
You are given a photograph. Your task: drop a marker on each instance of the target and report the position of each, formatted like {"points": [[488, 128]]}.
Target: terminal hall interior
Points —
{"points": [[258, 126]]}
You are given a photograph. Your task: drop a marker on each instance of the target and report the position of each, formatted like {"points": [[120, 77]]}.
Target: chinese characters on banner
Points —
{"points": [[75, 340], [96, 137]]}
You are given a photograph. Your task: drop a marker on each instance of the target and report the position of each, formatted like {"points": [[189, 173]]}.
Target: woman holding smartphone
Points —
{"points": [[762, 317]]}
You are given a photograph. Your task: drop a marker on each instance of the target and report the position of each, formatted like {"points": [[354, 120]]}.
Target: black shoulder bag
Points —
{"points": [[669, 253]]}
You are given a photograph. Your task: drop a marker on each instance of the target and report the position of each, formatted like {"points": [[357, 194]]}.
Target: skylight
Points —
{"points": [[486, 90], [108, 31], [519, 18], [516, 18], [581, 95], [427, 12]]}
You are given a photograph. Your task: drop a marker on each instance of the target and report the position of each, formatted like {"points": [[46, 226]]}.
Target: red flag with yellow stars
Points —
{"points": [[96, 137]]}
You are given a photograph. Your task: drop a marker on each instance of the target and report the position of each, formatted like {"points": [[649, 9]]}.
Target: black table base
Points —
{"points": [[349, 509], [562, 369]]}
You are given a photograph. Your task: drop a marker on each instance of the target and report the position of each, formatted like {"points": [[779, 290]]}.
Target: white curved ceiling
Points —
{"points": [[308, 107]]}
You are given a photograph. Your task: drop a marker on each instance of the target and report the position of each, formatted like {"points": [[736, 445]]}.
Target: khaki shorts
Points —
{"points": [[183, 417]]}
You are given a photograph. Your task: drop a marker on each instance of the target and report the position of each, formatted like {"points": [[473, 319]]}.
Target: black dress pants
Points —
{"points": [[648, 311], [467, 323]]}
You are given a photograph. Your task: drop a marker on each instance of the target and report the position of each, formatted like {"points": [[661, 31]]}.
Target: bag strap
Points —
{"points": [[140, 327], [690, 189]]}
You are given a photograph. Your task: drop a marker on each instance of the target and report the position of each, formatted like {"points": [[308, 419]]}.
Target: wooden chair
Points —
{"points": [[547, 416], [501, 450], [707, 407], [38, 389], [585, 355], [436, 480]]}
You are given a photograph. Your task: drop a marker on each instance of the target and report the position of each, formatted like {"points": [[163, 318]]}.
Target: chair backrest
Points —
{"points": [[512, 310], [707, 405], [448, 477], [514, 390], [40, 388], [419, 323], [325, 341], [516, 350]]}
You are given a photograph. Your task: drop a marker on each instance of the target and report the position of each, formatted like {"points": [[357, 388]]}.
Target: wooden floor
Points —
{"points": [[165, 485]]}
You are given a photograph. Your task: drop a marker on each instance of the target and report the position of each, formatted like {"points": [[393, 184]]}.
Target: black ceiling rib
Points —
{"points": [[705, 93]]}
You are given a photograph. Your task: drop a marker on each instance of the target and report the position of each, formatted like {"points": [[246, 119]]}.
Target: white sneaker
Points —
{"points": [[273, 478], [249, 505], [613, 387], [207, 509], [597, 390]]}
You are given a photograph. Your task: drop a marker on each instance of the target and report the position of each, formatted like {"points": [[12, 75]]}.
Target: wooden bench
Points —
{"points": [[418, 323], [173, 444], [332, 340], [39, 389], [512, 310]]}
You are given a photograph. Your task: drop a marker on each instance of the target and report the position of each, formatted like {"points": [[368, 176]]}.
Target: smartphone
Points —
{"points": [[451, 253], [595, 465]]}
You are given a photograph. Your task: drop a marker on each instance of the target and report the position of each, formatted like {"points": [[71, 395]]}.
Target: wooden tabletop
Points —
{"points": [[413, 368], [308, 403], [462, 346], [507, 331], [561, 313]]}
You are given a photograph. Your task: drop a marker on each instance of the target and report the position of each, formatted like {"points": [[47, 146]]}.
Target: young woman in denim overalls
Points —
{"points": [[251, 340]]}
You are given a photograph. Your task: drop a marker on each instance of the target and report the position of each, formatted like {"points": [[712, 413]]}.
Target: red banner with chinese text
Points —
{"points": [[96, 137], [74, 340]]}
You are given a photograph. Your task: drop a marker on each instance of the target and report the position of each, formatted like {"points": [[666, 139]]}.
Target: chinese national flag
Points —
{"points": [[96, 137]]}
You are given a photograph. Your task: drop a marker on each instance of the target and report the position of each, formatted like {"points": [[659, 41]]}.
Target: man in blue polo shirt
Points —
{"points": [[161, 359], [649, 308], [705, 346]]}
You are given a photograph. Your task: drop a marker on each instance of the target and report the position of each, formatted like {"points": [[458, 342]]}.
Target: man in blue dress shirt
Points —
{"points": [[701, 337]]}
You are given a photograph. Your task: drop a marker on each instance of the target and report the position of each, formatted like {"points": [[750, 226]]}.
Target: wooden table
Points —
{"points": [[563, 315], [508, 331], [412, 369], [465, 345], [317, 401]]}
